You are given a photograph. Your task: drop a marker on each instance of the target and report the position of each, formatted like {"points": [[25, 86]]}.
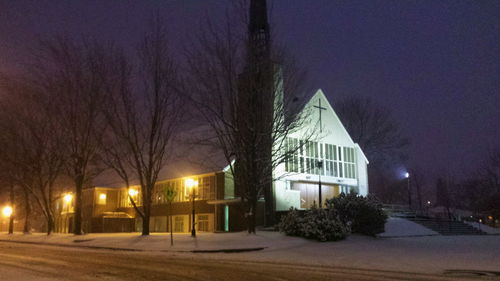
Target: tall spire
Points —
{"points": [[258, 30]]}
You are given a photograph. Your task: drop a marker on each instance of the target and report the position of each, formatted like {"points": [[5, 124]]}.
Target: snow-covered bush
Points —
{"points": [[323, 225], [291, 223], [364, 214], [317, 224]]}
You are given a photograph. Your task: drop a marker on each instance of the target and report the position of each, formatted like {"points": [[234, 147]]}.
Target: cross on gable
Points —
{"points": [[319, 107]]}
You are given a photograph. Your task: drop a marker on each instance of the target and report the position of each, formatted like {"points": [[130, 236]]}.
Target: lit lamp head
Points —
{"points": [[191, 184], [67, 198], [132, 192], [7, 211], [102, 196], [407, 175]]}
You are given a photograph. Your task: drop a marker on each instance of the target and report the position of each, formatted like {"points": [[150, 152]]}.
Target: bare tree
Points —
{"points": [[378, 134], [75, 73], [374, 129], [238, 84], [144, 114], [31, 142], [443, 195]]}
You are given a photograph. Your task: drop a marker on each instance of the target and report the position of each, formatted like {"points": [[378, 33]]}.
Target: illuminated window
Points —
{"points": [[178, 224], [203, 223]]}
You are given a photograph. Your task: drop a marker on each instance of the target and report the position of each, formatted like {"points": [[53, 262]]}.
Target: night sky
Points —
{"points": [[435, 64]]}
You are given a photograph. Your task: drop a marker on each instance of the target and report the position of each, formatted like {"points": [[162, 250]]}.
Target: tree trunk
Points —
{"points": [[27, 210], [11, 219], [145, 220], [77, 227], [251, 216], [50, 224], [269, 205]]}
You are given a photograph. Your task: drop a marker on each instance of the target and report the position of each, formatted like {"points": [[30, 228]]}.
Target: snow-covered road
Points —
{"points": [[33, 262]]}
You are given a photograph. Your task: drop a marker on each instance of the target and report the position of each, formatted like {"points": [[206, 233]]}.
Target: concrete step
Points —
{"points": [[445, 227]]}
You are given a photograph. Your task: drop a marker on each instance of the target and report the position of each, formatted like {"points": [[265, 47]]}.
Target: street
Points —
{"points": [[35, 262]]}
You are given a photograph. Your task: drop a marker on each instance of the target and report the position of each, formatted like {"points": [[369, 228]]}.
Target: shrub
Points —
{"points": [[318, 224], [364, 214], [291, 223]]}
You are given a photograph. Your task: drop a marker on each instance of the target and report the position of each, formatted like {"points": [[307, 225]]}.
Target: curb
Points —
{"points": [[409, 236], [239, 250], [72, 246], [229, 250]]}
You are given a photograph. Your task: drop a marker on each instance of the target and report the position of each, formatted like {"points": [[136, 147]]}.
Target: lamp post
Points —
{"points": [[407, 175], [7, 212], [191, 185], [320, 166]]}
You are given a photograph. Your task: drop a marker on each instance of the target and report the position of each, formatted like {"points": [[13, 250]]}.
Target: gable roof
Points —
{"points": [[320, 94]]}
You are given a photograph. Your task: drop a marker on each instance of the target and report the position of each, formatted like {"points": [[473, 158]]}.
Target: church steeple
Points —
{"points": [[258, 30]]}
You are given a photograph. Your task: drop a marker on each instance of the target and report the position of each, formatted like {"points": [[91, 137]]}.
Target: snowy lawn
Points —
{"points": [[161, 241]]}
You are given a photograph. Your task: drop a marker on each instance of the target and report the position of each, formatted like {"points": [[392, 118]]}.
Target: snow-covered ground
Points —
{"points": [[399, 227], [161, 241], [486, 228], [426, 254]]}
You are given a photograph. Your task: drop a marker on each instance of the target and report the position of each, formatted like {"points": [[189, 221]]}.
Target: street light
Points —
{"points": [[7, 211], [67, 198], [191, 185], [407, 176], [320, 167]]}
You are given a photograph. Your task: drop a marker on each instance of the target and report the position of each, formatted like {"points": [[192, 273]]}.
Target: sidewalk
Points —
{"points": [[160, 242]]}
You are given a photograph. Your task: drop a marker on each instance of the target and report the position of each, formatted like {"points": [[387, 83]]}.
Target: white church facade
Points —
{"points": [[329, 157]]}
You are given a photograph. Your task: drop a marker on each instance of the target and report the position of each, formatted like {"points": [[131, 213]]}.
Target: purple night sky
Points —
{"points": [[435, 64]]}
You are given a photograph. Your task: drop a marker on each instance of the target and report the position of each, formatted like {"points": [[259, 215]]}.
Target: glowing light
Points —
{"points": [[407, 175], [133, 192], [7, 211], [102, 196], [67, 198], [190, 183], [428, 202]]}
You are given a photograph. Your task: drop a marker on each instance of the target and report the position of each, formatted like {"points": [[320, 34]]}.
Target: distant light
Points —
{"points": [[428, 202], [407, 175], [133, 192], [68, 197], [7, 211], [102, 196]]}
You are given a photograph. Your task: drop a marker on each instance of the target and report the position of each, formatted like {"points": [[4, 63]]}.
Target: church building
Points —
{"points": [[329, 159]]}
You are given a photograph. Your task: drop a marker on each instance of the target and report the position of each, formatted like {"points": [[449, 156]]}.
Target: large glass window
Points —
{"points": [[304, 156]]}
